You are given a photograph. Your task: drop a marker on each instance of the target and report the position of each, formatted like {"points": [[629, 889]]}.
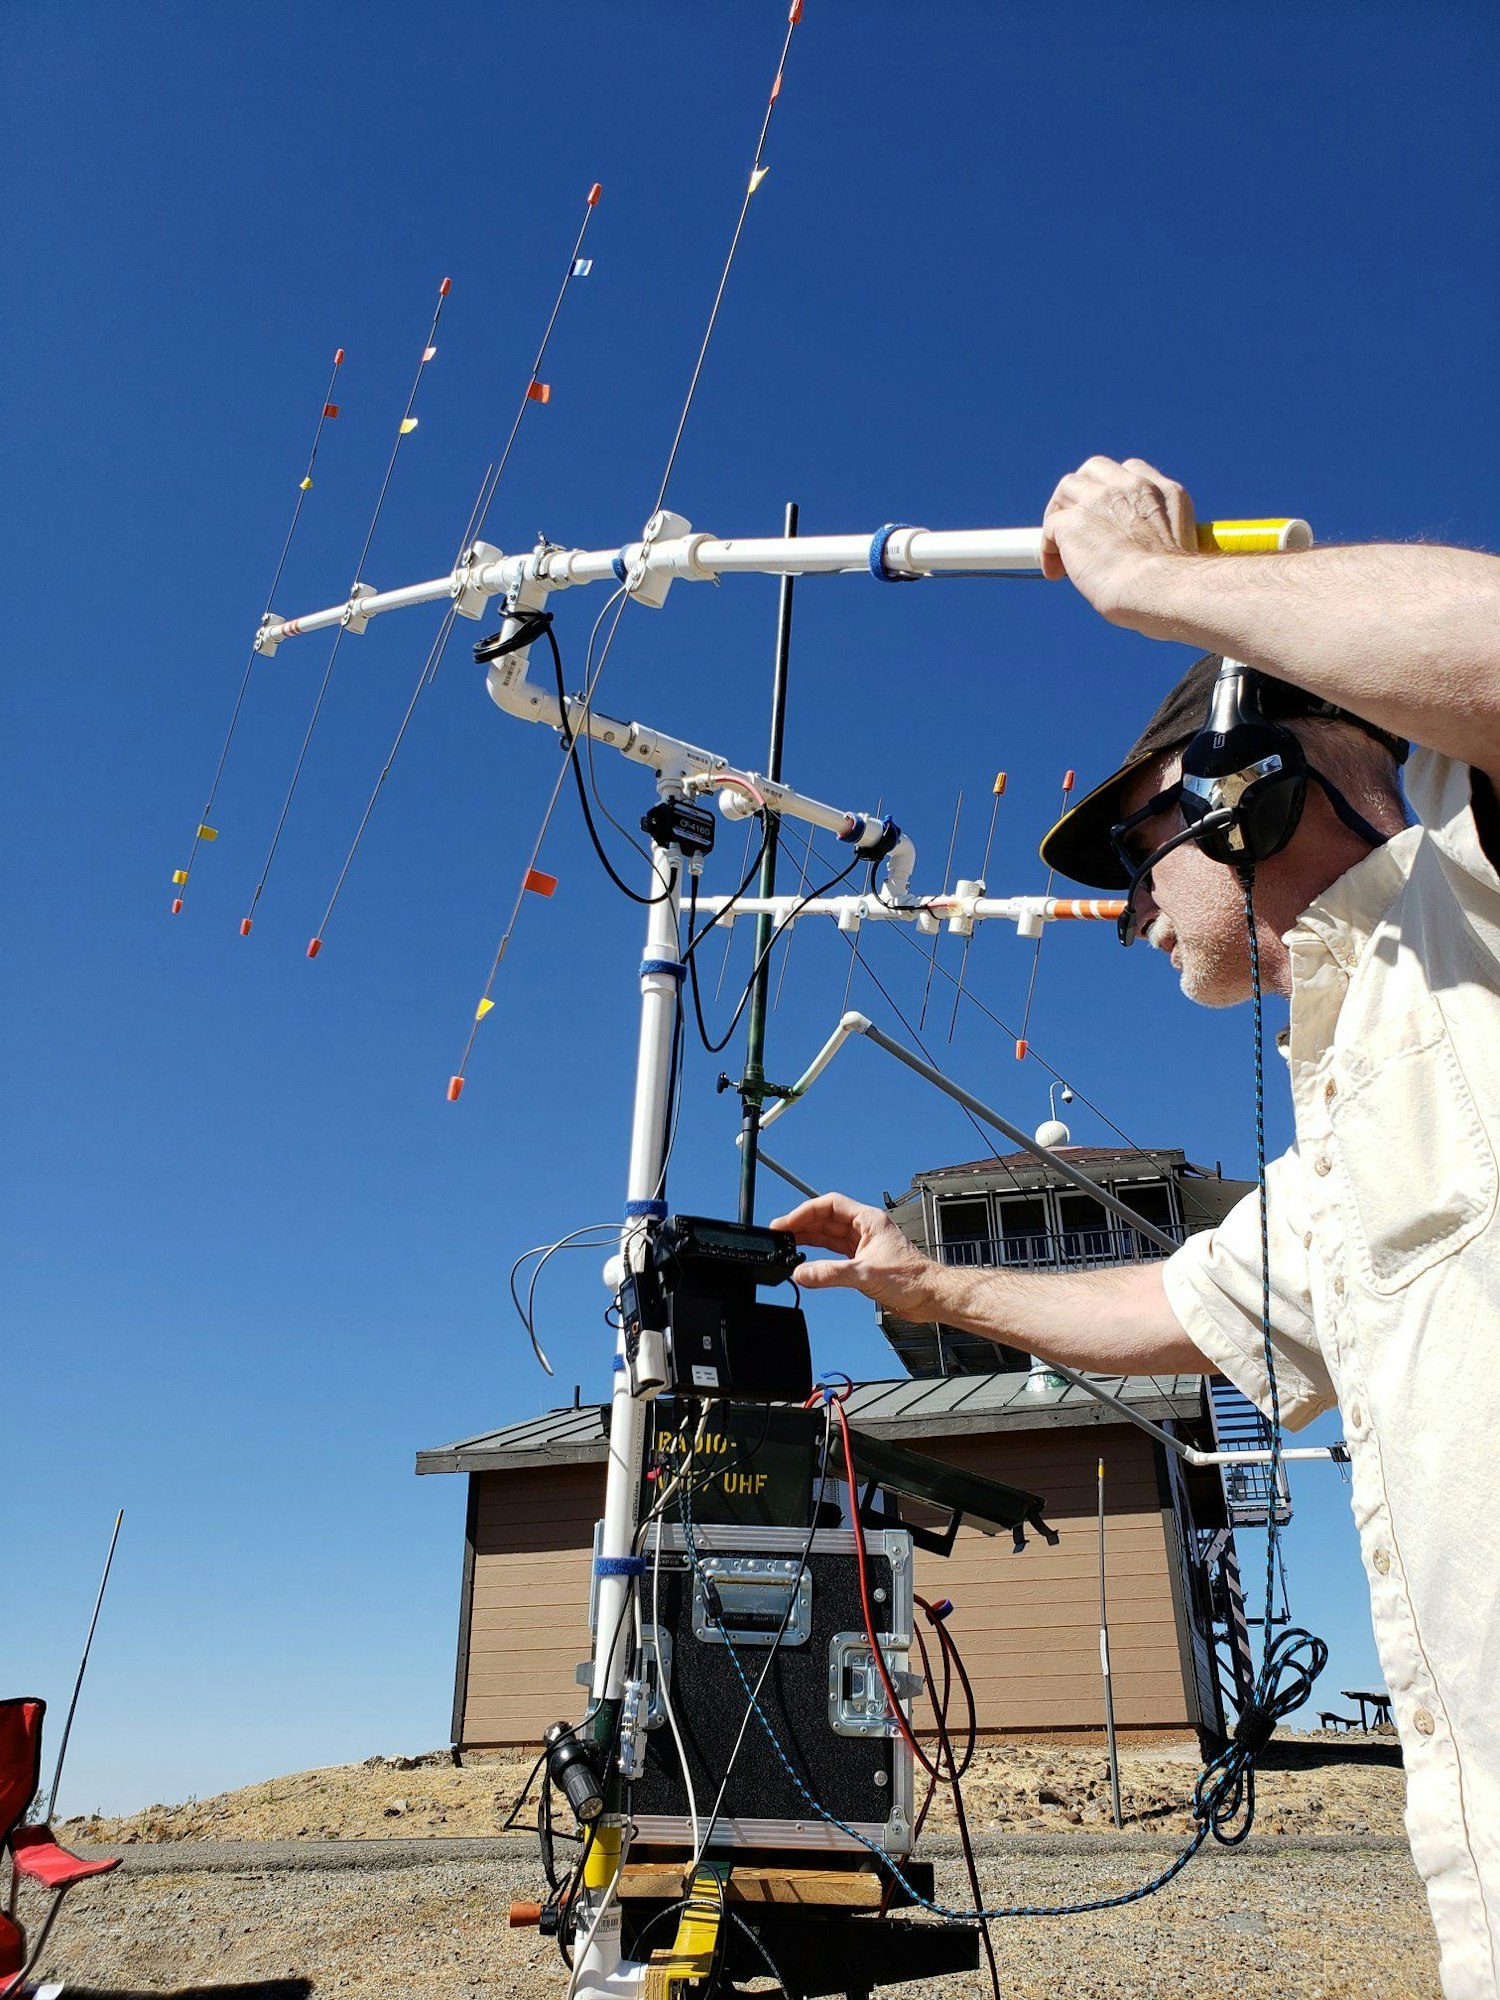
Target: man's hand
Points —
{"points": [[876, 1258], [1108, 527]]}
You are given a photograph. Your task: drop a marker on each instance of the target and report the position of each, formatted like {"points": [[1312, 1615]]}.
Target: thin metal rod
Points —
{"points": [[1109, 1690], [62, 1750], [755, 1028], [785, 1173], [1019, 1138]]}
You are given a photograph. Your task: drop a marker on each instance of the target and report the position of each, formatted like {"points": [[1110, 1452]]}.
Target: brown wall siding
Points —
{"points": [[1027, 1624]]}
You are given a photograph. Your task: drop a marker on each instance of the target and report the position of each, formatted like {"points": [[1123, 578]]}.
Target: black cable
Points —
{"points": [[542, 627], [695, 938], [717, 1047]]}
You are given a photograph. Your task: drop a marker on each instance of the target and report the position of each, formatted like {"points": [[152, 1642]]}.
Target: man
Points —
{"points": [[1384, 1236]]}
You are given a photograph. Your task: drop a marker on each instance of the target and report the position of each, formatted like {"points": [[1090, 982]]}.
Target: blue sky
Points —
{"points": [[255, 1259]]}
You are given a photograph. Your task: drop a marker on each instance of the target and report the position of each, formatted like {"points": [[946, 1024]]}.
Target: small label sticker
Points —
{"points": [[705, 1378]]}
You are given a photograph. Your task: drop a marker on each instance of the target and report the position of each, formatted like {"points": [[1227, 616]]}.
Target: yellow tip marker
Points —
{"points": [[1253, 538], [179, 876], [999, 786], [758, 174], [208, 833], [482, 1009], [307, 486], [408, 425]]}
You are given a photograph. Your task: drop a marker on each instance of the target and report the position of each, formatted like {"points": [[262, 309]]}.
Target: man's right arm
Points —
{"points": [[1113, 1322]]}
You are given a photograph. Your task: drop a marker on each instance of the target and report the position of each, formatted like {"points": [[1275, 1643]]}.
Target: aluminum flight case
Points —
{"points": [[822, 1695]]}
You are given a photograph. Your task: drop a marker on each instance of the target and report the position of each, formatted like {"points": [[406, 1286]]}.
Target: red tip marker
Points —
{"points": [[314, 946], [1021, 1049], [338, 357], [445, 288], [244, 927], [1067, 781], [455, 1089], [176, 906], [594, 193], [796, 13]]}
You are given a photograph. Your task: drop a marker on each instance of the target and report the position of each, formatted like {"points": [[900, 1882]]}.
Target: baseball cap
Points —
{"points": [[1079, 845]]}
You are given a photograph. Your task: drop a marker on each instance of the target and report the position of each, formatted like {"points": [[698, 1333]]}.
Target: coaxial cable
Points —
{"points": [[328, 411], [404, 429]]}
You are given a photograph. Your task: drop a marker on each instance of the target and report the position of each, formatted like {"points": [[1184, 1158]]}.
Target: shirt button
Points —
{"points": [[1338, 1286], [1382, 1562], [1356, 1416], [1307, 1239], [1322, 1164], [1423, 1723], [1330, 1089]]}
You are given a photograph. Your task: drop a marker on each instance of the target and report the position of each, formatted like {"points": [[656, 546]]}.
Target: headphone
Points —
{"points": [[1244, 779], [1244, 784]]}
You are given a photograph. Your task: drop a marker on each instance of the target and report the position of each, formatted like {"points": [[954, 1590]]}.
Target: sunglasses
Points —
{"points": [[1127, 924]]}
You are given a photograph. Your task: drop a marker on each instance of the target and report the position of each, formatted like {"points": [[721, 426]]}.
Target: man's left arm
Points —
{"points": [[1406, 635]]}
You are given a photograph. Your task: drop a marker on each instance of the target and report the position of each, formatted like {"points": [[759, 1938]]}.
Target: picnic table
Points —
{"points": [[1380, 1702]]}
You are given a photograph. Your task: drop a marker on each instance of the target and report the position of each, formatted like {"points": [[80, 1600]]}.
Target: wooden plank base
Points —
{"points": [[825, 1888]]}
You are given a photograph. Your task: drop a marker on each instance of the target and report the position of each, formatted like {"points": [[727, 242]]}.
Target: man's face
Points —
{"points": [[1193, 908]]}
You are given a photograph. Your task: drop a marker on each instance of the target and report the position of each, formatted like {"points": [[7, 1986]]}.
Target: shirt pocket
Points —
{"points": [[1416, 1171]]}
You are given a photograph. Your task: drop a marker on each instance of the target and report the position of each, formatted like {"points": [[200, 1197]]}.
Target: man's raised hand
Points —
{"points": [[1108, 525], [873, 1256]]}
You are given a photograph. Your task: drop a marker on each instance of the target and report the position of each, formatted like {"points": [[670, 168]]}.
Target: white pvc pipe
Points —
{"points": [[905, 552], [1012, 909]]}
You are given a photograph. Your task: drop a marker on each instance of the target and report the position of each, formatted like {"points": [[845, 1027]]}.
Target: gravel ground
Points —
{"points": [[386, 1878], [1324, 1919]]}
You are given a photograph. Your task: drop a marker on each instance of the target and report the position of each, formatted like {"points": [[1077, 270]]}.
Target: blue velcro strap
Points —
{"points": [[618, 566], [878, 543], [672, 966], [656, 1210], [619, 1565], [619, 1364]]}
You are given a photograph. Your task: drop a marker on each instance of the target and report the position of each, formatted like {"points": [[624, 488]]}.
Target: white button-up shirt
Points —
{"points": [[1385, 1268]]}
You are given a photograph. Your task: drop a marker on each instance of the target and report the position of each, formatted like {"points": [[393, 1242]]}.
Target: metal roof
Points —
{"points": [[939, 1406]]}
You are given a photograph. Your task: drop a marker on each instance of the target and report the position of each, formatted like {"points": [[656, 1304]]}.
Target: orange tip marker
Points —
{"points": [[314, 946], [244, 927], [455, 1089], [1021, 1049], [594, 193], [177, 906], [445, 288], [338, 357], [1068, 777], [796, 13]]}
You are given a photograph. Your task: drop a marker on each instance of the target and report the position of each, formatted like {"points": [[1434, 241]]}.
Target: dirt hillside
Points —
{"points": [[1309, 1784]]}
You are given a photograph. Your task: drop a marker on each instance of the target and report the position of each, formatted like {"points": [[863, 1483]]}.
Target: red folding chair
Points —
{"points": [[34, 1855]]}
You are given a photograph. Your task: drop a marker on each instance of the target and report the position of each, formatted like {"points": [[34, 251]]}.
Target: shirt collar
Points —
{"points": [[1350, 910]]}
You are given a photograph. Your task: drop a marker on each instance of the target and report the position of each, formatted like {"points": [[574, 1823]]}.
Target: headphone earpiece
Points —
{"points": [[1241, 763]]}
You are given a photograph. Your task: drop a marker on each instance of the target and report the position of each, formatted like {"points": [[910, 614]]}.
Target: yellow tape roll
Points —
{"points": [[1252, 538]]}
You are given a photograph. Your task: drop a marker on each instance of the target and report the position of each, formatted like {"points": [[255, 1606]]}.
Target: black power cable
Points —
{"points": [[716, 1047]]}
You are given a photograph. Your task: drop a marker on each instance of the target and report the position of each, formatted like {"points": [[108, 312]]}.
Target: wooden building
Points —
{"points": [[1027, 1622]]}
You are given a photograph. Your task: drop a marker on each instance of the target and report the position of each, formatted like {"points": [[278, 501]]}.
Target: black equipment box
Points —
{"points": [[757, 1463], [822, 1694], [698, 1286]]}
